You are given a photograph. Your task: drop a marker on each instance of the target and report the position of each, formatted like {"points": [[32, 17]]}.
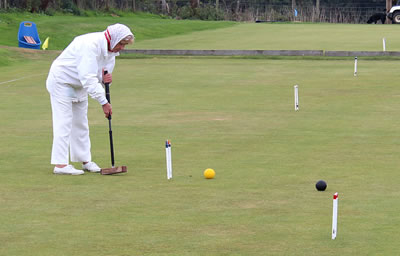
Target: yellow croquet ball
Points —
{"points": [[209, 173]]}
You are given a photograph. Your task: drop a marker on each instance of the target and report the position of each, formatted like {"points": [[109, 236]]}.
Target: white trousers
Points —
{"points": [[70, 131]]}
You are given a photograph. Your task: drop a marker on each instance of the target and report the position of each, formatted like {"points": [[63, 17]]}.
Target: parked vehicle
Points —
{"points": [[394, 13]]}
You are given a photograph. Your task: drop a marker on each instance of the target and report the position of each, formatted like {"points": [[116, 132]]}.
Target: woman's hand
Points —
{"points": [[107, 78], [107, 109]]}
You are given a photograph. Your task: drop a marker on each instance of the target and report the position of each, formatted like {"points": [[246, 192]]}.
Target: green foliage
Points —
{"points": [[149, 6], [335, 11], [93, 13], [281, 18], [186, 12], [68, 6], [33, 5], [50, 12], [209, 12], [203, 12]]}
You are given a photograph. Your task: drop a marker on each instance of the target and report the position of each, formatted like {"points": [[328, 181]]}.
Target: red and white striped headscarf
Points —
{"points": [[116, 33]]}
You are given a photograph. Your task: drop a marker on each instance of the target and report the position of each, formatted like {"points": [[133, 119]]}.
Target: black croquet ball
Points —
{"points": [[321, 185]]}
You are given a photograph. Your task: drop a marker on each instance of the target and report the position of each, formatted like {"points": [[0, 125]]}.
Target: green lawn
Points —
{"points": [[233, 115], [280, 36]]}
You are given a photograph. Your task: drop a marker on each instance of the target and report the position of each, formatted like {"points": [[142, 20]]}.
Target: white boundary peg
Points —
{"points": [[384, 44], [355, 66], [335, 215], [168, 158], [296, 97]]}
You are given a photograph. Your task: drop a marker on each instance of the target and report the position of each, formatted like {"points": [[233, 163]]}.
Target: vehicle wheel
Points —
{"points": [[396, 17]]}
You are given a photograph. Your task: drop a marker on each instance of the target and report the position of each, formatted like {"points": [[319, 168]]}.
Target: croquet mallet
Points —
{"points": [[114, 169]]}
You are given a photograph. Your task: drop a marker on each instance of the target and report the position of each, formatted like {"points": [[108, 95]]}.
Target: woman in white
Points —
{"points": [[75, 74]]}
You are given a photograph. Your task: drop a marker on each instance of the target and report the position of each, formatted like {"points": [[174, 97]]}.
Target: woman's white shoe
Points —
{"points": [[91, 167], [69, 170]]}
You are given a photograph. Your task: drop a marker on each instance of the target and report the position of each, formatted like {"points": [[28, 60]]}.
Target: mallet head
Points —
{"points": [[114, 170]]}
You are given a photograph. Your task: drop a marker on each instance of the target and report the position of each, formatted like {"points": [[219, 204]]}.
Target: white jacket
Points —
{"points": [[77, 72]]}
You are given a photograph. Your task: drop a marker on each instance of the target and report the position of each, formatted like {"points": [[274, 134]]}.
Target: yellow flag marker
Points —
{"points": [[45, 44]]}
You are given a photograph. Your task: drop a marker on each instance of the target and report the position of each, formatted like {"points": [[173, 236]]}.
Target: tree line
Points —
{"points": [[241, 10]]}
